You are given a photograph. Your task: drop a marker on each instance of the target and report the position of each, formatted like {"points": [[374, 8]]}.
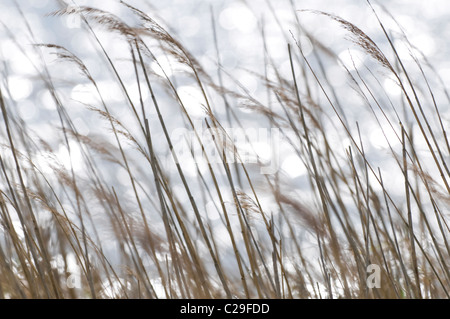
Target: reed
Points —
{"points": [[70, 229]]}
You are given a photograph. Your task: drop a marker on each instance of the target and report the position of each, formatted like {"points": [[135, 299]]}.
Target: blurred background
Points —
{"points": [[240, 27], [220, 34]]}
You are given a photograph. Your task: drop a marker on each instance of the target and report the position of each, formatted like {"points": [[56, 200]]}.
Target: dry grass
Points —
{"points": [[154, 235]]}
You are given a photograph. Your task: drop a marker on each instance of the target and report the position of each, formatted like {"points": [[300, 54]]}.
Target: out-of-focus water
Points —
{"points": [[239, 24]]}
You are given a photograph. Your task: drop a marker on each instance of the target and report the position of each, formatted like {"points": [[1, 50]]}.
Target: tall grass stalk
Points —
{"points": [[226, 231]]}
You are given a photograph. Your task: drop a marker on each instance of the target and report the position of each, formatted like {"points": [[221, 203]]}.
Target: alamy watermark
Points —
{"points": [[374, 278], [73, 281], [230, 145], [73, 15], [69, 270]]}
